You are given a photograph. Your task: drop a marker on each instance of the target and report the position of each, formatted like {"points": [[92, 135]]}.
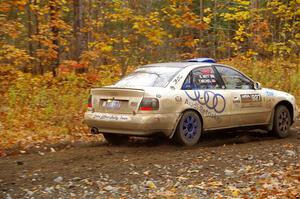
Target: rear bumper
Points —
{"points": [[129, 124]]}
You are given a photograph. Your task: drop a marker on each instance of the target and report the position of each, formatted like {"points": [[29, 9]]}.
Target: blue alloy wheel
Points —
{"points": [[190, 126], [189, 129]]}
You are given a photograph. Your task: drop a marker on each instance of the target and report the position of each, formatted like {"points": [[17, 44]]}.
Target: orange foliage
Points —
{"points": [[117, 36]]}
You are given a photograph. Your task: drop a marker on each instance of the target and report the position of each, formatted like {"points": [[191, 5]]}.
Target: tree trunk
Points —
{"points": [[54, 17], [201, 14], [79, 43], [29, 31], [37, 69], [29, 28], [254, 5], [214, 30]]}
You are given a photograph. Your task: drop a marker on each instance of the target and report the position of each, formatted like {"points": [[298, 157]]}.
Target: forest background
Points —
{"points": [[53, 51]]}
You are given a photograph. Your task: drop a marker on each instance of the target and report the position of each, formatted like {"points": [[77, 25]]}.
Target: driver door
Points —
{"points": [[248, 104]]}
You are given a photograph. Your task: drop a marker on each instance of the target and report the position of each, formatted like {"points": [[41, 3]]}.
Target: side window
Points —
{"points": [[233, 79], [201, 78]]}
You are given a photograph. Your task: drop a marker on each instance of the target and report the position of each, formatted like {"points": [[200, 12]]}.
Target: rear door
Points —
{"points": [[205, 92], [248, 105]]}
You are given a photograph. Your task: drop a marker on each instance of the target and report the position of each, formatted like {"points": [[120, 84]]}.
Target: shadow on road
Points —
{"points": [[208, 139]]}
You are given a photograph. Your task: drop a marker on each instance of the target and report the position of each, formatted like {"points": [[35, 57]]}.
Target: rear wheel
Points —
{"points": [[115, 138], [282, 122], [189, 129]]}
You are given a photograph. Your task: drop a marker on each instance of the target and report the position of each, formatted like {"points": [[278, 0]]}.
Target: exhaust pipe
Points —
{"points": [[94, 130]]}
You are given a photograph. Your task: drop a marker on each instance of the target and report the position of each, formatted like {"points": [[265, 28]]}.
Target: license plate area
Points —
{"points": [[111, 104]]}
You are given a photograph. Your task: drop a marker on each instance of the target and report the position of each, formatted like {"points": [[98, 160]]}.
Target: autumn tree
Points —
{"points": [[40, 36]]}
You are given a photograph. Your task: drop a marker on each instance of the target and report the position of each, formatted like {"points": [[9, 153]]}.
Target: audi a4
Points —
{"points": [[180, 100]]}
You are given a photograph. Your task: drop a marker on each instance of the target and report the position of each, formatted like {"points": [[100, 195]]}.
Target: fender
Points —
{"points": [[179, 118]]}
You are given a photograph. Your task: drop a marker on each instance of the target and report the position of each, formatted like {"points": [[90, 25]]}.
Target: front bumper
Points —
{"points": [[141, 124]]}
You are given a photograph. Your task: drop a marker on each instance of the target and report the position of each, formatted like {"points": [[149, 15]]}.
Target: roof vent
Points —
{"points": [[202, 59]]}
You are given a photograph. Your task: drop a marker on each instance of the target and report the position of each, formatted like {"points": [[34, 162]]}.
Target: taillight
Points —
{"points": [[149, 104], [89, 105]]}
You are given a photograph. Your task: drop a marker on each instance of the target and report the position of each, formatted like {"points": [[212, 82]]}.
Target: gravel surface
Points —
{"points": [[243, 164]]}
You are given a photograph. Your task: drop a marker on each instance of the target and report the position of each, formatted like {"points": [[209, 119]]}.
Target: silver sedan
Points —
{"points": [[182, 99]]}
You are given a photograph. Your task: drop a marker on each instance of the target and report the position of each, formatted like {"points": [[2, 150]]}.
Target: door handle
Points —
{"points": [[236, 100]]}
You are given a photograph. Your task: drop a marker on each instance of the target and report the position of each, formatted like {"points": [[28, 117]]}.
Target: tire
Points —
{"points": [[189, 129], [281, 122], [115, 139]]}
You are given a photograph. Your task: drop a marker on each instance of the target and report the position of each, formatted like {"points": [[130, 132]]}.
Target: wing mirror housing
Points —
{"points": [[257, 86]]}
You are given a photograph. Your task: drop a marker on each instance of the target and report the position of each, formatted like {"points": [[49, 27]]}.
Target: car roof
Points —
{"points": [[176, 64]]}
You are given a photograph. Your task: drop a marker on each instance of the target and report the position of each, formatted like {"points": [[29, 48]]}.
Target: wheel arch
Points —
{"points": [[289, 106], [179, 118]]}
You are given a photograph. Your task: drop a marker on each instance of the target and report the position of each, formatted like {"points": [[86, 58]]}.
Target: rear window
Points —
{"points": [[149, 77]]}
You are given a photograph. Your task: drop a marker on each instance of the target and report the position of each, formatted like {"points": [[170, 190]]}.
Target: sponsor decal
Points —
{"points": [[251, 100], [205, 76], [247, 98], [211, 100], [178, 99], [207, 79], [269, 93], [177, 79], [109, 117], [201, 109]]}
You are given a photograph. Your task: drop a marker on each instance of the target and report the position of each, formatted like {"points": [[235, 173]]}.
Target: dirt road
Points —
{"points": [[231, 164]]}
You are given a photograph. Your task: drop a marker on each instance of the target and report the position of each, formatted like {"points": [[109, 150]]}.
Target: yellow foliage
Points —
{"points": [[106, 48], [44, 109]]}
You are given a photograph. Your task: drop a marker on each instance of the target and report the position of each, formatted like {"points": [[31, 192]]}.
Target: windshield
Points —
{"points": [[149, 77]]}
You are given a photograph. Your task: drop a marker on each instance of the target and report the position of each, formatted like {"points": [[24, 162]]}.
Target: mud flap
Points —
{"points": [[175, 127]]}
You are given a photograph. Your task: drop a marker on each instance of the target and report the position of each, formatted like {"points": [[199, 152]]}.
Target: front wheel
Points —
{"points": [[115, 139], [281, 122], [189, 129]]}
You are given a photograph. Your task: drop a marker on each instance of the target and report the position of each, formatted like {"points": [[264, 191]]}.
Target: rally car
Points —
{"points": [[180, 100]]}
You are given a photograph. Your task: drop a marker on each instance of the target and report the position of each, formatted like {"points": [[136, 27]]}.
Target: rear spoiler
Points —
{"points": [[114, 92], [115, 88]]}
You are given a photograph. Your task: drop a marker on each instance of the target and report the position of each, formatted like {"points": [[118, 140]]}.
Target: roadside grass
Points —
{"points": [[43, 109], [39, 109]]}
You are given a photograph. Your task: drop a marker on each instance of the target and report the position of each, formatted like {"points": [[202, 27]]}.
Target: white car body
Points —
{"points": [[222, 107]]}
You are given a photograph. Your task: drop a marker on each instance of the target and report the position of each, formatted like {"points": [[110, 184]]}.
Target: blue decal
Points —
{"points": [[269, 93], [209, 96]]}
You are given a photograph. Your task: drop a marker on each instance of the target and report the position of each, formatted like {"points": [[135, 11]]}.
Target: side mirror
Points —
{"points": [[257, 86]]}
